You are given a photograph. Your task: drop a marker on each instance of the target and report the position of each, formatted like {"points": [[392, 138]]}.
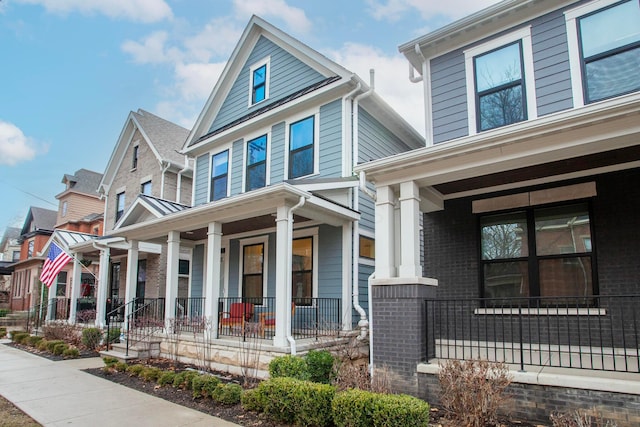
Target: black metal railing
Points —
{"points": [[116, 309], [255, 317], [86, 310], [146, 319], [61, 308], [36, 317], [189, 315], [596, 332]]}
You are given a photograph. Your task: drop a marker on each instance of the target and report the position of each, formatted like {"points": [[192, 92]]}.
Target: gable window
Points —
{"points": [[544, 252], [253, 272], [64, 208], [301, 147], [219, 175], [119, 205], [500, 85], [256, 163], [145, 188], [610, 50], [30, 247], [259, 84], [134, 160]]}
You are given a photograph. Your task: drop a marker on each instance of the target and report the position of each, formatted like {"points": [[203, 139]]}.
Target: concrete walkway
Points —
{"points": [[60, 394]]}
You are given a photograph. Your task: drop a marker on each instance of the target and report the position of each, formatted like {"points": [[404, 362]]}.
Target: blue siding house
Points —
{"points": [[280, 231]]}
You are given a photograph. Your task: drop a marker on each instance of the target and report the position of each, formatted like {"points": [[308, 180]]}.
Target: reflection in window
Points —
{"points": [[537, 252], [499, 87], [610, 50], [301, 135], [302, 271], [145, 188], [256, 163], [259, 82], [219, 174], [119, 205], [252, 272], [61, 284]]}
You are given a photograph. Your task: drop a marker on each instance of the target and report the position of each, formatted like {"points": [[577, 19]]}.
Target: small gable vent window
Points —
{"points": [[259, 75], [134, 161]]}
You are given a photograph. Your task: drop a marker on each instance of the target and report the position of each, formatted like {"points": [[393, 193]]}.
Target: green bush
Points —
{"points": [[150, 373], [33, 340], [134, 370], [227, 394], [3, 332], [320, 366], [166, 378], [71, 353], [252, 400], [18, 337], [59, 348], [4, 312], [109, 361], [184, 379], [42, 345], [113, 336], [120, 366], [91, 338], [358, 408], [203, 385], [294, 401], [52, 344], [289, 366]]}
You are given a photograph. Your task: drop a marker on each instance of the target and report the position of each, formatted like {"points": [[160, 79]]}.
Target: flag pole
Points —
{"points": [[41, 302]]}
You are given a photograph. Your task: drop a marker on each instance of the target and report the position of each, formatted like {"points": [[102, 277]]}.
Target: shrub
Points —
{"points": [[227, 394], [62, 331], [42, 345], [184, 379], [353, 408], [71, 353], [297, 402], [109, 361], [203, 385], [320, 366], [473, 391], [120, 366], [91, 338], [3, 332], [150, 373], [18, 337], [60, 348], [134, 370], [289, 366], [86, 316], [51, 345], [578, 418], [360, 408], [3, 312], [166, 378], [33, 341], [113, 336], [252, 400]]}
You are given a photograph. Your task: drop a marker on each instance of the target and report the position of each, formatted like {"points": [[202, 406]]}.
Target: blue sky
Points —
{"points": [[73, 69]]}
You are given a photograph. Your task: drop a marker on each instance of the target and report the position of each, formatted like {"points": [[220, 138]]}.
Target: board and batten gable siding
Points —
{"points": [[236, 168], [449, 97], [286, 75], [331, 139], [277, 150], [551, 63], [197, 272], [201, 186]]}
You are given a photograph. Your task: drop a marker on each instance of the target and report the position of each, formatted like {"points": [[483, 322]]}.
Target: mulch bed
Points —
{"points": [[84, 353]]}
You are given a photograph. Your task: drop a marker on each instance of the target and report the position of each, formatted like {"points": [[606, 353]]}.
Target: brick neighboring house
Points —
{"points": [[9, 254], [34, 235], [528, 189]]}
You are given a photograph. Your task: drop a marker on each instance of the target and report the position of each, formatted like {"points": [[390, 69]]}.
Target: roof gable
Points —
{"points": [[82, 181], [147, 207], [39, 219]]}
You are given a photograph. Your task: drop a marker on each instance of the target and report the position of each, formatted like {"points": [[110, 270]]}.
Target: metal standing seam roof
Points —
{"points": [[160, 206], [70, 238]]}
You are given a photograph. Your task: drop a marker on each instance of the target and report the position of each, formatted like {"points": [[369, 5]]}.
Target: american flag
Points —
{"points": [[56, 259]]}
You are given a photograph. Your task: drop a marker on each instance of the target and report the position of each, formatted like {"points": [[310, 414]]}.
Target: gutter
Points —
{"points": [[290, 338], [179, 183], [165, 168]]}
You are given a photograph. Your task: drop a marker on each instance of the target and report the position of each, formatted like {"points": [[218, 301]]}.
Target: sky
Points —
{"points": [[72, 70]]}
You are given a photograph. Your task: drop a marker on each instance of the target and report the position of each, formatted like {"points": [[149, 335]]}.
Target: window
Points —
{"points": [[500, 85], [61, 287], [142, 278], [219, 175], [64, 208], [301, 148], [115, 282], [259, 82], [610, 50], [145, 188], [30, 247], [367, 247], [302, 271], [119, 205], [183, 267], [253, 272], [16, 256], [256, 163], [537, 252], [134, 160]]}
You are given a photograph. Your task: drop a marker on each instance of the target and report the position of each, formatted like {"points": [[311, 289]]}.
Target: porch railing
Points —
{"points": [[189, 315], [597, 332], [146, 318], [86, 310], [116, 309], [61, 308], [311, 317]]}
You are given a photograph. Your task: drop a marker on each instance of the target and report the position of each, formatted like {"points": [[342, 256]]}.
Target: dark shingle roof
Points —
{"points": [[165, 136], [84, 181]]}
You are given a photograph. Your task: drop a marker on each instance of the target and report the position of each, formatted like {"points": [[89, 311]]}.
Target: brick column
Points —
{"points": [[399, 328]]}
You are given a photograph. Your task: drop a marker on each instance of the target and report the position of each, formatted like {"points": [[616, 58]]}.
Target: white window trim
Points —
{"points": [[210, 169], [310, 232], [523, 34], [316, 141], [267, 172], [265, 262], [266, 61], [571, 17]]}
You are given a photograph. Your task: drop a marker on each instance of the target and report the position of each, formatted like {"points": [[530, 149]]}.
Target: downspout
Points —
{"points": [[363, 323], [426, 86], [179, 183], [164, 170], [290, 338]]}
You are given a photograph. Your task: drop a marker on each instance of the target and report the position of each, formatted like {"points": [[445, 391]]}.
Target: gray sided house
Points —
{"points": [[528, 192], [278, 234]]}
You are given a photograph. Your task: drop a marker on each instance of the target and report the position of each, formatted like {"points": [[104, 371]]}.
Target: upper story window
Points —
{"points": [[134, 160], [145, 188], [119, 205], [301, 147], [15, 256], [259, 84], [219, 175], [65, 205], [30, 247], [256, 163], [500, 86]]}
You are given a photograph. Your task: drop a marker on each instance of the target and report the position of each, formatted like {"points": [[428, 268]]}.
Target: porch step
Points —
{"points": [[141, 350]]}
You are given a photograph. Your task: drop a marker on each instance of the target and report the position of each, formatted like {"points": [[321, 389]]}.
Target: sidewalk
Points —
{"points": [[59, 393]]}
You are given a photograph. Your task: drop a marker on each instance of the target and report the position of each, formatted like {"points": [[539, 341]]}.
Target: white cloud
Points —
{"points": [[194, 81], [151, 50], [392, 9], [15, 147], [217, 39], [294, 17], [136, 10], [391, 79]]}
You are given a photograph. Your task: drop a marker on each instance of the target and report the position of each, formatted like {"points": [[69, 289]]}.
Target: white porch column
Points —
{"points": [[102, 291], [283, 277], [410, 230], [212, 280], [51, 297], [385, 235], [349, 274], [171, 286], [76, 284], [132, 279]]}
